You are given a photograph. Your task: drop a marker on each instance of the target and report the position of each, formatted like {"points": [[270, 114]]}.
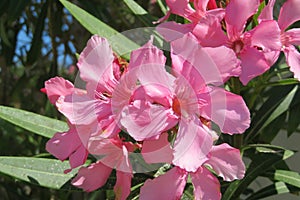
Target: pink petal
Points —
{"points": [[226, 109], [182, 8], [123, 185], [62, 145], [272, 57], [157, 151], [172, 30], [154, 93], [108, 127], [123, 91], [226, 161], [191, 140], [81, 109], [56, 87], [293, 36], [237, 14], [143, 120], [209, 32], [218, 13], [95, 65], [225, 60], [149, 61], [289, 13], [111, 153], [206, 185], [266, 35], [253, 64], [79, 157], [200, 7], [92, 177], [293, 60], [193, 62], [167, 186], [267, 12]]}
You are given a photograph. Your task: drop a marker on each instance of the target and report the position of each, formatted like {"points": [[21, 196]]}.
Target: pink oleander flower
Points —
{"points": [[289, 13], [151, 101], [68, 144], [184, 9], [88, 111], [250, 46], [200, 18], [223, 159], [113, 154]]}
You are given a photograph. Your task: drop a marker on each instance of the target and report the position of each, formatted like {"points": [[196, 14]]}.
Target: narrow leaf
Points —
{"points": [[140, 12], [276, 188], [261, 162], [35, 123], [283, 107], [278, 102], [41, 171], [290, 177], [120, 44]]}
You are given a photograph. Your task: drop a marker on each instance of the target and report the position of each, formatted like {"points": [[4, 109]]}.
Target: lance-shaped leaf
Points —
{"points": [[140, 12], [44, 172], [273, 189], [290, 177], [261, 162], [35, 123], [120, 44]]}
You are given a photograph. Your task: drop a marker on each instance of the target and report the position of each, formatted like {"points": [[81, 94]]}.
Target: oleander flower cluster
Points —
{"points": [[166, 114]]}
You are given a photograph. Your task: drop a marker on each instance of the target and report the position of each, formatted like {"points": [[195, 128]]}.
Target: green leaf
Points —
{"points": [[261, 162], [293, 120], [277, 103], [287, 81], [35, 123], [282, 107], [290, 177], [276, 188], [120, 44], [139, 11], [272, 130], [44, 172], [163, 8]]}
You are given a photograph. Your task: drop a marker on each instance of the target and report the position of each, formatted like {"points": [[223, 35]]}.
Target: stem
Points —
{"points": [[238, 138]]}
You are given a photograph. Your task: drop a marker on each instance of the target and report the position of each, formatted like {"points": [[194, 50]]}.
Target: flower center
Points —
{"points": [[285, 39], [176, 106], [237, 46]]}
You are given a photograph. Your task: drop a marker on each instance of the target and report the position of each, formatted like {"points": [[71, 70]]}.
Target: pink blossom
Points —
{"points": [[200, 18], [223, 159], [68, 145], [157, 151], [289, 13], [88, 111], [184, 9], [113, 154], [160, 101], [201, 66], [250, 46], [100, 70]]}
